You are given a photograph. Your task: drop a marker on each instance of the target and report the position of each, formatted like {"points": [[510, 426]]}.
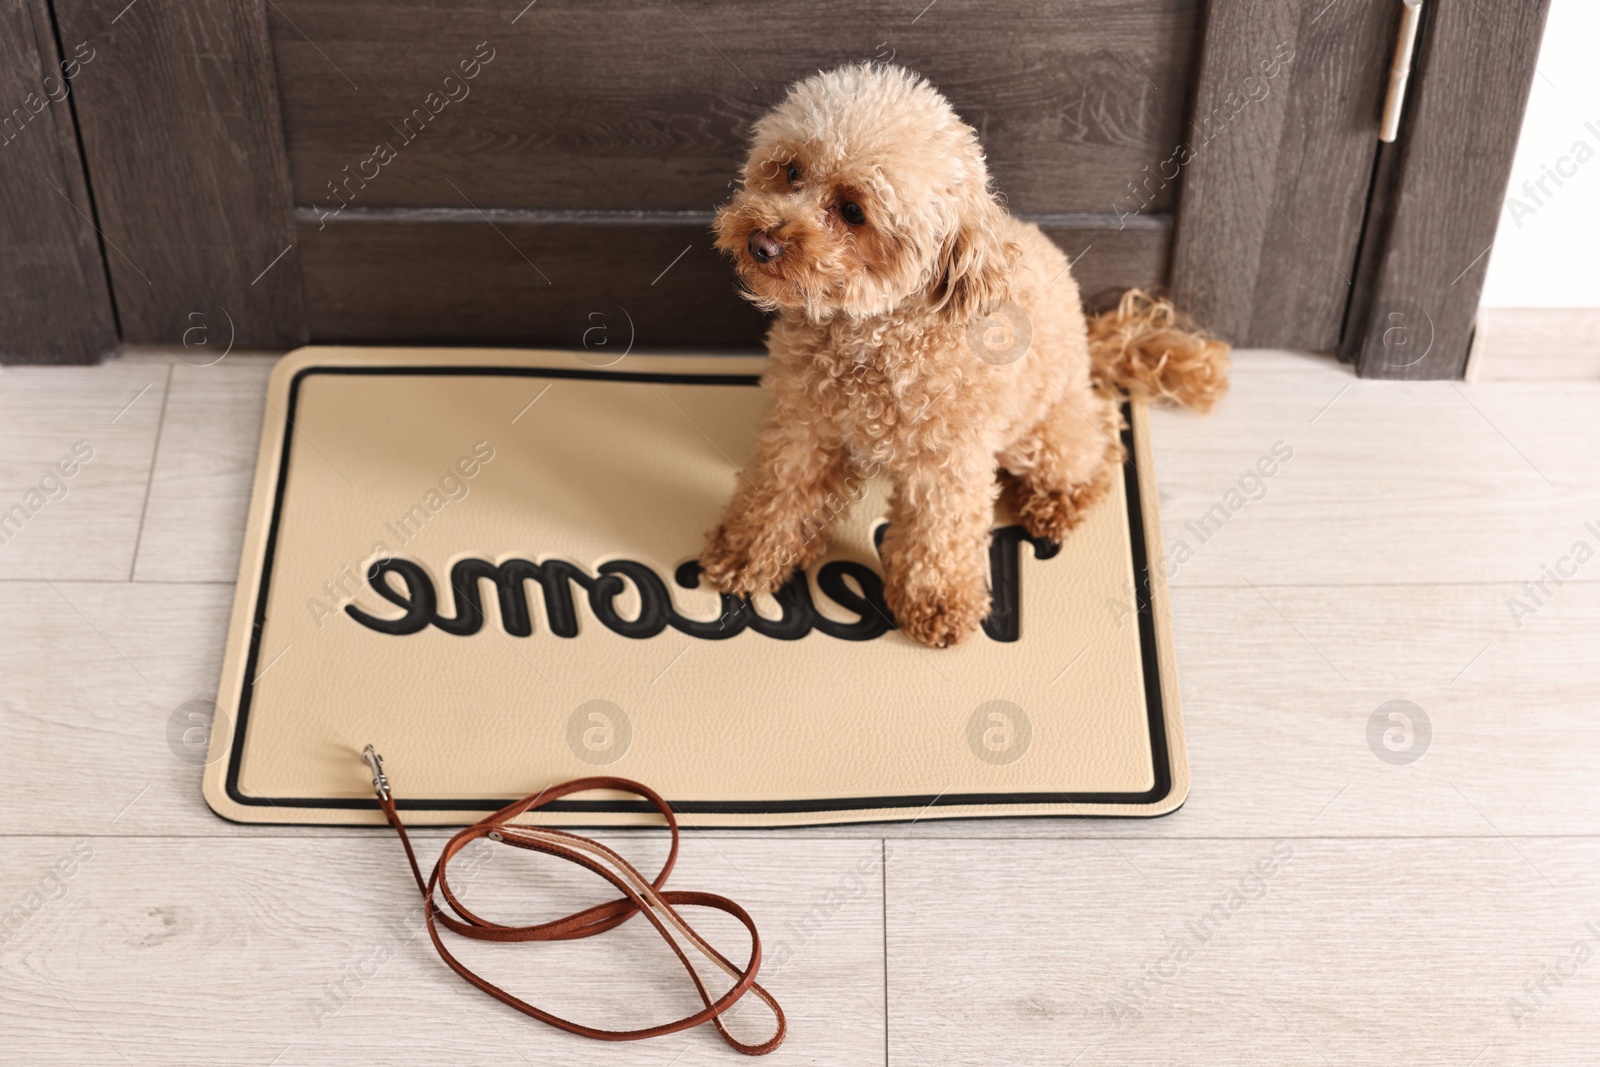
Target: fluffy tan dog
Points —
{"points": [[922, 332]]}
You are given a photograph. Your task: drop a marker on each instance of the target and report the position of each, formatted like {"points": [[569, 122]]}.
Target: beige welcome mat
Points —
{"points": [[482, 562]]}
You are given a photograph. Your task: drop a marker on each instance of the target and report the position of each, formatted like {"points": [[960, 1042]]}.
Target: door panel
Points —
{"points": [[1274, 200], [178, 117], [55, 305], [572, 178], [441, 275], [619, 105]]}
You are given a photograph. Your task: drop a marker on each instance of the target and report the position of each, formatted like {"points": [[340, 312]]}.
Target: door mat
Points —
{"points": [[483, 563]]}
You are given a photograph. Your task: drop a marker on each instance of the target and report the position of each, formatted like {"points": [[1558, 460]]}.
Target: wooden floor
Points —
{"points": [[1445, 911]]}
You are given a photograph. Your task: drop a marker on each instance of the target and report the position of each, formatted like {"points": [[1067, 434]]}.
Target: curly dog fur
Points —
{"points": [[924, 333]]}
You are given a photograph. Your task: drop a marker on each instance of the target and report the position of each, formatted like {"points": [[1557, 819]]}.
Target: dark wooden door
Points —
{"points": [[55, 305], [544, 173], [577, 178]]}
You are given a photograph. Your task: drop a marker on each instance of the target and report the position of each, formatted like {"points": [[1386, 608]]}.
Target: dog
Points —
{"points": [[922, 332]]}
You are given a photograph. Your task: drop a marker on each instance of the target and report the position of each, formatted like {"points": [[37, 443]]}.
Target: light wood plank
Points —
{"points": [[200, 490], [89, 530], [1279, 684], [1347, 952], [94, 677], [173, 950], [1420, 482]]}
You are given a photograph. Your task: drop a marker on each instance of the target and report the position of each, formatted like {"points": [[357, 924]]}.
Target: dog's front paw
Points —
{"points": [[734, 563], [938, 616]]}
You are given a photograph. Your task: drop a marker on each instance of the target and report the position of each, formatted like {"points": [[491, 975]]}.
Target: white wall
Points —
{"points": [[1547, 250]]}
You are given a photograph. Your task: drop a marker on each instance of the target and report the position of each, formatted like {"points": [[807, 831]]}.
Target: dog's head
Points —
{"points": [[864, 193]]}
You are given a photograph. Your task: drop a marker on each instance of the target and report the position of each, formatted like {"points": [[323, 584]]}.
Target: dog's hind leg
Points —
{"points": [[1064, 464]]}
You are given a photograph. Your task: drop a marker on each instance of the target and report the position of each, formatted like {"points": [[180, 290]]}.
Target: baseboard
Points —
{"points": [[1535, 344]]}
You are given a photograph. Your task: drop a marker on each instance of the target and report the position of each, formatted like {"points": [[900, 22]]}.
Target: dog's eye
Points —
{"points": [[851, 212], [794, 174]]}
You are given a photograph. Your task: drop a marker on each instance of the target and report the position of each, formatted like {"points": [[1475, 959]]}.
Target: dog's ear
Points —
{"points": [[975, 265]]}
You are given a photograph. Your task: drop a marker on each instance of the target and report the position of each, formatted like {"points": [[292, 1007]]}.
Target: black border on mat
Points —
{"points": [[1154, 704]]}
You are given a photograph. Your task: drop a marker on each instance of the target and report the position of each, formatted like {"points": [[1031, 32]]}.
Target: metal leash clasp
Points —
{"points": [[380, 781]]}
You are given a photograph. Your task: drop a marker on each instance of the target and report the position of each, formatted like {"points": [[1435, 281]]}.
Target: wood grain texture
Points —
{"points": [[1439, 204], [180, 130], [1286, 700], [1458, 483], [83, 526], [55, 306], [1274, 198], [623, 105], [589, 279], [103, 681], [200, 486], [1342, 952], [1278, 684], [295, 951]]}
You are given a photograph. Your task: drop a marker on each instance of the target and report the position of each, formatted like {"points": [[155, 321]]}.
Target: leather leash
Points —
{"points": [[640, 896]]}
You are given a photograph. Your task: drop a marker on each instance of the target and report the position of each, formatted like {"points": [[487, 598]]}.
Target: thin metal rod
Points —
{"points": [[1400, 69]]}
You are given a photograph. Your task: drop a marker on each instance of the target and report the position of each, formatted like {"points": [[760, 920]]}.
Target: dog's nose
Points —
{"points": [[763, 249]]}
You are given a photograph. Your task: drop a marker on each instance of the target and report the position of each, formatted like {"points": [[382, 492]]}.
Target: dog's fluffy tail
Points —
{"points": [[1146, 347]]}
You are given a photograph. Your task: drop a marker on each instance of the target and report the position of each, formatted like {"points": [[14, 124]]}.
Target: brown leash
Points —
{"points": [[641, 896]]}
